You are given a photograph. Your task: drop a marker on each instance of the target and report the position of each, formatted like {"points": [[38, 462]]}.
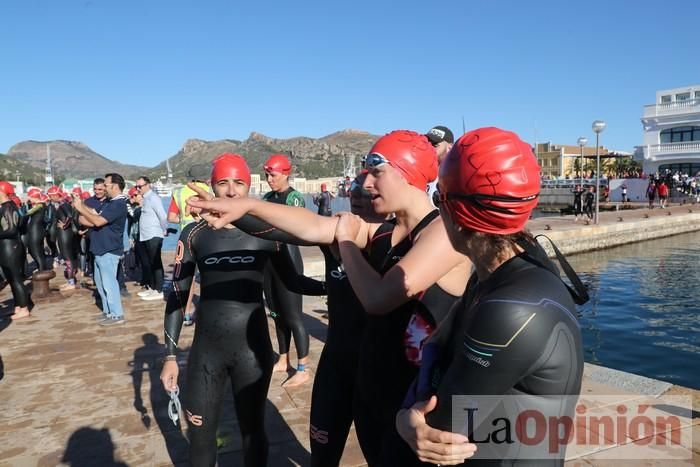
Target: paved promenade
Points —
{"points": [[78, 394]]}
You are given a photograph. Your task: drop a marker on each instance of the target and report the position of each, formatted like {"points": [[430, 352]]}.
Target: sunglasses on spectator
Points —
{"points": [[138, 187]]}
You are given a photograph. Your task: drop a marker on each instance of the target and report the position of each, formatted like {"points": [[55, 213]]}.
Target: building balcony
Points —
{"points": [[661, 152], [672, 108]]}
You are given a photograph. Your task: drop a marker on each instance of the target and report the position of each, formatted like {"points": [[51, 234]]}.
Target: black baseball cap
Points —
{"points": [[438, 134], [199, 172]]}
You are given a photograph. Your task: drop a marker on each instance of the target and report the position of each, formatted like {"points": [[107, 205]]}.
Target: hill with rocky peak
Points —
{"points": [[311, 157], [70, 159], [13, 169]]}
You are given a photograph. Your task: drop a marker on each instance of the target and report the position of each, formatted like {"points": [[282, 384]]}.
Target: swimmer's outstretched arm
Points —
{"points": [[298, 222], [259, 228]]}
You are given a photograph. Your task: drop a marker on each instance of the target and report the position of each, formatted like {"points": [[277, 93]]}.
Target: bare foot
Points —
{"points": [[69, 287], [21, 313], [299, 378], [282, 366]]}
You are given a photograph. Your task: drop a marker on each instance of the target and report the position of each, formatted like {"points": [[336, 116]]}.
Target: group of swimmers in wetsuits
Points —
{"points": [[46, 222], [423, 303]]}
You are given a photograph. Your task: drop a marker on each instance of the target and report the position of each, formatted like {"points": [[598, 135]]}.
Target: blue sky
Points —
{"points": [[134, 79]]}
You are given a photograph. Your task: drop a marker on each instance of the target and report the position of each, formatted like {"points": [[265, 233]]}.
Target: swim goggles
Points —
{"points": [[174, 406], [479, 200], [374, 160]]}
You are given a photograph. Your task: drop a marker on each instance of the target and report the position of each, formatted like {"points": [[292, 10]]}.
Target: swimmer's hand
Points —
{"points": [[429, 444], [168, 375], [348, 227], [218, 212]]}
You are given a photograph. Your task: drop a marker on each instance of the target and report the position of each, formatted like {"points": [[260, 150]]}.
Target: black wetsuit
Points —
{"points": [[324, 204], [67, 238], [578, 210], [334, 384], [590, 197], [515, 334], [231, 336], [51, 231], [35, 234], [286, 306], [12, 253], [390, 351]]}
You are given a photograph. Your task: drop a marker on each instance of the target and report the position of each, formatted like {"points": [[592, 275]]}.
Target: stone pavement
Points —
{"points": [[75, 393]]}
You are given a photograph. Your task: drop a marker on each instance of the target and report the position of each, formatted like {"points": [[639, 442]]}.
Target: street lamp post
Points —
{"points": [[582, 142], [598, 127]]}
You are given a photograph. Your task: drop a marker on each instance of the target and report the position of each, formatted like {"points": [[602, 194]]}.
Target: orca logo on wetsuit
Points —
{"points": [[338, 273], [230, 260]]}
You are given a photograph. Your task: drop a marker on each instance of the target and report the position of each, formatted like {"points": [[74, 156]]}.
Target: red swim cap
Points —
{"points": [[34, 192], [7, 188], [77, 190], [229, 165], [133, 191], [84, 195], [409, 152], [43, 198], [278, 163], [53, 191], [324, 187], [490, 181], [16, 200]]}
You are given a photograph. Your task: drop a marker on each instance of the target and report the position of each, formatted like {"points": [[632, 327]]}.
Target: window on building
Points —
{"points": [[665, 99], [680, 134], [697, 94], [683, 96]]}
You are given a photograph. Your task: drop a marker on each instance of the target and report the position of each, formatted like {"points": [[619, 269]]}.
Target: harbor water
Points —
{"points": [[644, 312]]}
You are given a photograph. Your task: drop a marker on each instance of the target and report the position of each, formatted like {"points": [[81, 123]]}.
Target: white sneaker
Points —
{"points": [[144, 293], [153, 296]]}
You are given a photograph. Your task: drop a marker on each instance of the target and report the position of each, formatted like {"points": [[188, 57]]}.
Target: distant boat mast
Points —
{"points": [[349, 168], [48, 178], [170, 172]]}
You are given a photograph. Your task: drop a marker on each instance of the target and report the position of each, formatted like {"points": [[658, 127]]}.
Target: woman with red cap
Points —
{"points": [[323, 201], [12, 252], [286, 306], [231, 340], [68, 240], [36, 228], [55, 196], [392, 268], [515, 330]]}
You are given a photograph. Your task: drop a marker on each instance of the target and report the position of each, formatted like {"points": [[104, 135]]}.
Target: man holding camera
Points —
{"points": [[107, 244]]}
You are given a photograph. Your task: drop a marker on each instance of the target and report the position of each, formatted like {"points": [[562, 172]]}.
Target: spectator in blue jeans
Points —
{"points": [[107, 245]]}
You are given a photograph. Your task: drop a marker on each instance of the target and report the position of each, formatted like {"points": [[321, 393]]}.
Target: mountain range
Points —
{"points": [[312, 158]]}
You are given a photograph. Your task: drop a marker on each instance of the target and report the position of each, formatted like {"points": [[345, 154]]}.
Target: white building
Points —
{"points": [[672, 132]]}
